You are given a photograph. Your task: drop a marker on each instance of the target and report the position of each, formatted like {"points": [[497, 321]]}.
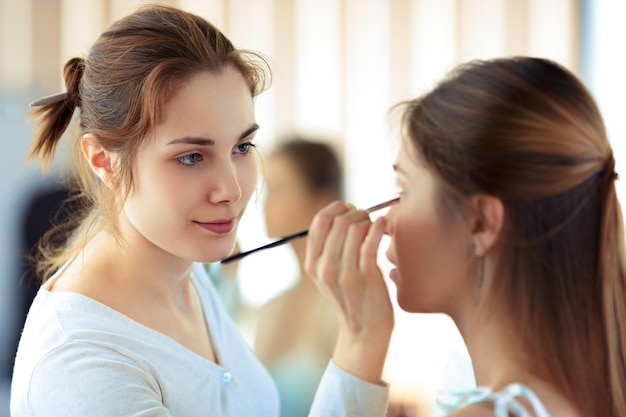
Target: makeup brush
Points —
{"points": [[298, 235]]}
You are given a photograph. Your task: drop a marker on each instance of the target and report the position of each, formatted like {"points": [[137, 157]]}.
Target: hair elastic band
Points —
{"points": [[54, 98]]}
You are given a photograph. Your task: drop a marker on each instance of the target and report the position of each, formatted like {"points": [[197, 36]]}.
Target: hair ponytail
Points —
{"points": [[613, 278], [121, 87], [527, 131], [55, 116]]}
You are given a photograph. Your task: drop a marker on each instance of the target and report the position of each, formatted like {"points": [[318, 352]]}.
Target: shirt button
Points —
{"points": [[227, 377]]}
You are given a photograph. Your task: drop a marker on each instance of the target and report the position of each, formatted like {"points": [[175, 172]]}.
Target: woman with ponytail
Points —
{"points": [[509, 223], [127, 322]]}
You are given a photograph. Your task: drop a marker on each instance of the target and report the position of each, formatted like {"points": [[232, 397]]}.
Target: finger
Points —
{"points": [[368, 258], [350, 288], [339, 232], [330, 263], [351, 250], [318, 231], [337, 272]]}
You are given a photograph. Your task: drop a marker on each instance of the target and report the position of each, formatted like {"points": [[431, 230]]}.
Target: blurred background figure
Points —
{"points": [[46, 211], [297, 330]]}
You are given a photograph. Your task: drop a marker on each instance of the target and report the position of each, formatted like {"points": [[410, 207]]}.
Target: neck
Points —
{"points": [[135, 265], [498, 353], [493, 353], [498, 361]]}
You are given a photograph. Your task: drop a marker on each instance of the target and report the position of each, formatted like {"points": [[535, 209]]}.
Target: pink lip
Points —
{"points": [[393, 275], [220, 227]]}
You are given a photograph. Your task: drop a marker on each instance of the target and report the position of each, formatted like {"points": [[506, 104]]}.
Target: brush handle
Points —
{"points": [[295, 236]]}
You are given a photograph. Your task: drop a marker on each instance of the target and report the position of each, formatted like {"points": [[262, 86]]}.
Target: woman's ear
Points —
{"points": [[99, 159], [487, 223]]}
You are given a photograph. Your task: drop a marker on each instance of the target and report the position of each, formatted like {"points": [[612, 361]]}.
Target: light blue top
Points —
{"points": [[296, 376], [78, 357]]}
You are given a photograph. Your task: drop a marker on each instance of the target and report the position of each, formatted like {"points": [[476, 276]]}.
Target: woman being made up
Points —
{"points": [[508, 221], [127, 322], [297, 330]]}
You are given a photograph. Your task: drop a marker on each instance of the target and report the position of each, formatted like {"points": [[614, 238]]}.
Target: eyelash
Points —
{"points": [[181, 158], [248, 147]]}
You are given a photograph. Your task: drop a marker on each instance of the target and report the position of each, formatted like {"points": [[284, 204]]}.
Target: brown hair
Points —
{"points": [[317, 163], [120, 88], [527, 131]]}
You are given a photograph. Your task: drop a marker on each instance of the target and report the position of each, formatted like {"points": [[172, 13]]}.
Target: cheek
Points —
{"points": [[421, 248], [247, 177], [154, 186], [408, 245], [434, 269]]}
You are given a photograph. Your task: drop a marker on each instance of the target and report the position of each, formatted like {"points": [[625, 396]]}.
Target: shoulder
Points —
{"points": [[515, 400], [57, 381], [89, 361], [66, 333]]}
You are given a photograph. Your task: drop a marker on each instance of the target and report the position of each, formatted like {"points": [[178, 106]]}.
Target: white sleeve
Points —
{"points": [[84, 380], [343, 395]]}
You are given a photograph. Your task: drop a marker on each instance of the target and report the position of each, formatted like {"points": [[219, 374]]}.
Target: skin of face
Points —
{"points": [[289, 203], [428, 247], [195, 176]]}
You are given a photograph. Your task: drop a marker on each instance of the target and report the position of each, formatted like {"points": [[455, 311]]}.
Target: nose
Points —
{"points": [[226, 187]]}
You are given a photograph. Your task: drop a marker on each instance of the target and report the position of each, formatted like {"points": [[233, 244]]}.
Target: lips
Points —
{"points": [[393, 275], [390, 256], [219, 227]]}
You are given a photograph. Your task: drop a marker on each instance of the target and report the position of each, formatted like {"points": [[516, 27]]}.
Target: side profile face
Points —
{"points": [[429, 248], [289, 203], [195, 176]]}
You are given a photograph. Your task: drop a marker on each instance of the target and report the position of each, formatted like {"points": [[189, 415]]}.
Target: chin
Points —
{"points": [[412, 305], [405, 305], [216, 253]]}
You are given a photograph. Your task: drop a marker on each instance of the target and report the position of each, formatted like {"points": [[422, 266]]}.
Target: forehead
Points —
{"points": [[409, 161], [219, 103]]}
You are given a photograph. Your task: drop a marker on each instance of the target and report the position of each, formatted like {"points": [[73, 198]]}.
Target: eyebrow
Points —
{"points": [[200, 141]]}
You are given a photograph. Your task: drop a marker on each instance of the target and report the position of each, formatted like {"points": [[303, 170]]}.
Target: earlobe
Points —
{"points": [[98, 158], [488, 223]]}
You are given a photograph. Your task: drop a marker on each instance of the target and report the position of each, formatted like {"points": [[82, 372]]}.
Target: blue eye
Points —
{"points": [[190, 159], [244, 148]]}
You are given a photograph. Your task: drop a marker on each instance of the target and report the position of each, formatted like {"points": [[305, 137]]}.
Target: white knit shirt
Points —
{"points": [[78, 357]]}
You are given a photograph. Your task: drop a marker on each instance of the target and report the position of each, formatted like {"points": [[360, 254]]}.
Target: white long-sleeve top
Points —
{"points": [[78, 357]]}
